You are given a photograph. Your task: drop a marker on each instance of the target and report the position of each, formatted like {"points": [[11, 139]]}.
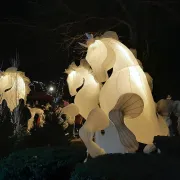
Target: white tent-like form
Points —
{"points": [[14, 85]]}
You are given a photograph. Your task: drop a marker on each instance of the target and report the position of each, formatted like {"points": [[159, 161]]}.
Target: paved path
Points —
{"points": [[76, 140]]}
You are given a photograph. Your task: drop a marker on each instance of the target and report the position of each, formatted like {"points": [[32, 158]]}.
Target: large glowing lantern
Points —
{"points": [[81, 77], [87, 102], [14, 85], [127, 78]]}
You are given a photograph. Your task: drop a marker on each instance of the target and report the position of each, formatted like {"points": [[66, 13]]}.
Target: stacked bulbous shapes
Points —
{"points": [[123, 105]]}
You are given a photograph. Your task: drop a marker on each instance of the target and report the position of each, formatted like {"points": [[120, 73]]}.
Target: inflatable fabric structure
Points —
{"points": [[87, 97], [121, 105], [14, 85], [87, 104], [127, 89]]}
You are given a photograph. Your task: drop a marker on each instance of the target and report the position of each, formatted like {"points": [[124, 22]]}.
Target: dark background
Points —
{"points": [[46, 32]]}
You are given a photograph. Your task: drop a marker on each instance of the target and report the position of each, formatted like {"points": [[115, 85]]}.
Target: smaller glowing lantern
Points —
{"points": [[14, 85]]}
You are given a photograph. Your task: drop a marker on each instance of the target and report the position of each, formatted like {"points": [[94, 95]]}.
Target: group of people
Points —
{"points": [[53, 114], [11, 122], [17, 121]]}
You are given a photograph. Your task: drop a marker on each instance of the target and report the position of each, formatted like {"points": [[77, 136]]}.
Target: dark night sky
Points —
{"points": [[37, 29]]}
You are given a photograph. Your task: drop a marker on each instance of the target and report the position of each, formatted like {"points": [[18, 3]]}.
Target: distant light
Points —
{"points": [[51, 89]]}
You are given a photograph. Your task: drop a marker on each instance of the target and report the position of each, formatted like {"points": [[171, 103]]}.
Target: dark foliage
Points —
{"points": [[6, 132], [7, 146], [127, 167], [52, 134], [41, 163], [169, 146]]}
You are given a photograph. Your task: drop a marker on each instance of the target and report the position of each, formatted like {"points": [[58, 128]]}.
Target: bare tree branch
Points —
{"points": [[127, 14], [70, 42], [12, 22]]}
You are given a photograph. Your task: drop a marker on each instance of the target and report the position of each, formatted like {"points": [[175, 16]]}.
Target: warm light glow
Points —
{"points": [[127, 77], [51, 89], [135, 76], [72, 74], [96, 60], [125, 97], [14, 85], [87, 98]]}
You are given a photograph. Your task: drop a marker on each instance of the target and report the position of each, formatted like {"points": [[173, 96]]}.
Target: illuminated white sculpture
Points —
{"points": [[14, 85], [87, 100], [127, 89]]}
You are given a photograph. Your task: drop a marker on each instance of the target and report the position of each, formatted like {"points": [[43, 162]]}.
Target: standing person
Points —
{"points": [[37, 105], [6, 126], [78, 123], [46, 110], [36, 121], [66, 103], [21, 115]]}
